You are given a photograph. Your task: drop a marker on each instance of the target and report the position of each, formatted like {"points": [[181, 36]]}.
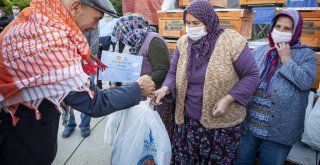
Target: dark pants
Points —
{"points": [[30, 142]]}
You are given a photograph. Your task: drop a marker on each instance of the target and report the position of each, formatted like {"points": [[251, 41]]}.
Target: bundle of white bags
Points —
{"points": [[137, 136]]}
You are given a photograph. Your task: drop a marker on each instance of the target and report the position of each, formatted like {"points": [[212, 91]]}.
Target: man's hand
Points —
{"points": [[147, 86], [284, 51], [159, 94], [222, 105]]}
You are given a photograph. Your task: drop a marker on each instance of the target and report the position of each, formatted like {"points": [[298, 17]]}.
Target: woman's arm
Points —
{"points": [[160, 60], [249, 77]]}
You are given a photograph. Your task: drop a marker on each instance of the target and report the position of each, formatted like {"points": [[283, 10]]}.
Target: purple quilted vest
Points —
{"points": [[147, 67]]}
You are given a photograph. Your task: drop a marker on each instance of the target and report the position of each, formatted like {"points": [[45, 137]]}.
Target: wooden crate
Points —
{"points": [[171, 46], [311, 32], [261, 2], [311, 26], [237, 19], [171, 23], [217, 3], [316, 84]]}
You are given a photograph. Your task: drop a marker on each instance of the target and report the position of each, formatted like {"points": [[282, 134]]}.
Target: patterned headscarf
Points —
{"points": [[41, 55], [272, 60], [200, 51], [132, 30]]}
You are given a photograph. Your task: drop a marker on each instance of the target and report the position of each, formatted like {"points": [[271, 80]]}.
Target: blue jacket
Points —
{"points": [[289, 94], [33, 142]]}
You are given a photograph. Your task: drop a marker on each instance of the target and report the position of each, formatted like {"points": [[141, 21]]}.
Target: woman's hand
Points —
{"points": [[222, 105], [284, 51], [159, 94]]}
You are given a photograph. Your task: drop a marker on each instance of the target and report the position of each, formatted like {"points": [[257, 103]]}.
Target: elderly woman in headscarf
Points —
{"points": [[134, 32], [212, 77], [277, 111]]}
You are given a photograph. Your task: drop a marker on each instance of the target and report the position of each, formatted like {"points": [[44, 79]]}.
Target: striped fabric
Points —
{"points": [[41, 54], [259, 114]]}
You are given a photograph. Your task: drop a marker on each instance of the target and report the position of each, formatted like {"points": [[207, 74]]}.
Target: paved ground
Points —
{"points": [[76, 150]]}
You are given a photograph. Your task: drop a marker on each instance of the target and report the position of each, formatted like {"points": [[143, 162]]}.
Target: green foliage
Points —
{"points": [[117, 4], [7, 4]]}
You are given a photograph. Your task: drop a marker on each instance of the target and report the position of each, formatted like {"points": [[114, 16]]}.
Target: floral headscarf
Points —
{"points": [[132, 30]]}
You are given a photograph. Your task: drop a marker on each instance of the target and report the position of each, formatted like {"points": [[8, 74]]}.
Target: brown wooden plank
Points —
{"points": [[218, 3], [310, 13], [311, 41], [170, 15], [261, 2], [316, 84], [311, 28]]}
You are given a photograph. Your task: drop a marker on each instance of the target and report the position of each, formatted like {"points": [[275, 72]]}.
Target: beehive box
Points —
{"points": [[217, 3], [171, 46], [171, 22], [311, 26], [261, 2], [316, 84], [237, 19]]}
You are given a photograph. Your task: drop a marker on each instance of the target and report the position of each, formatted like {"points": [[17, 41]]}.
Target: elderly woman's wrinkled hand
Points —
{"points": [[147, 86], [159, 94], [284, 51], [222, 105]]}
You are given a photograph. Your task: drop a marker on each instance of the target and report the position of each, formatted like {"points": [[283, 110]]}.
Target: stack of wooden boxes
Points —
{"points": [[171, 25]]}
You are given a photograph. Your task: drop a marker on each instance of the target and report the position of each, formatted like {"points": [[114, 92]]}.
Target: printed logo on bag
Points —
{"points": [[149, 151]]}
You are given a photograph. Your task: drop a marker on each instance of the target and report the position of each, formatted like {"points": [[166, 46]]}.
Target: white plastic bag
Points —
{"points": [[309, 106], [111, 129], [311, 135], [168, 5], [141, 138]]}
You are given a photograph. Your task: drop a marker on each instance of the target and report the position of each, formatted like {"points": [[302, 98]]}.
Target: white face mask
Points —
{"points": [[16, 11], [279, 37], [196, 33]]}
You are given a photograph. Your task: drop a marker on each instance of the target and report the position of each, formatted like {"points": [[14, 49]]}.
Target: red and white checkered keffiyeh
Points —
{"points": [[40, 58]]}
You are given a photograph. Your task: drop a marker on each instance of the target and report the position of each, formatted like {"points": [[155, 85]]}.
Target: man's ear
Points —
{"points": [[75, 8]]}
